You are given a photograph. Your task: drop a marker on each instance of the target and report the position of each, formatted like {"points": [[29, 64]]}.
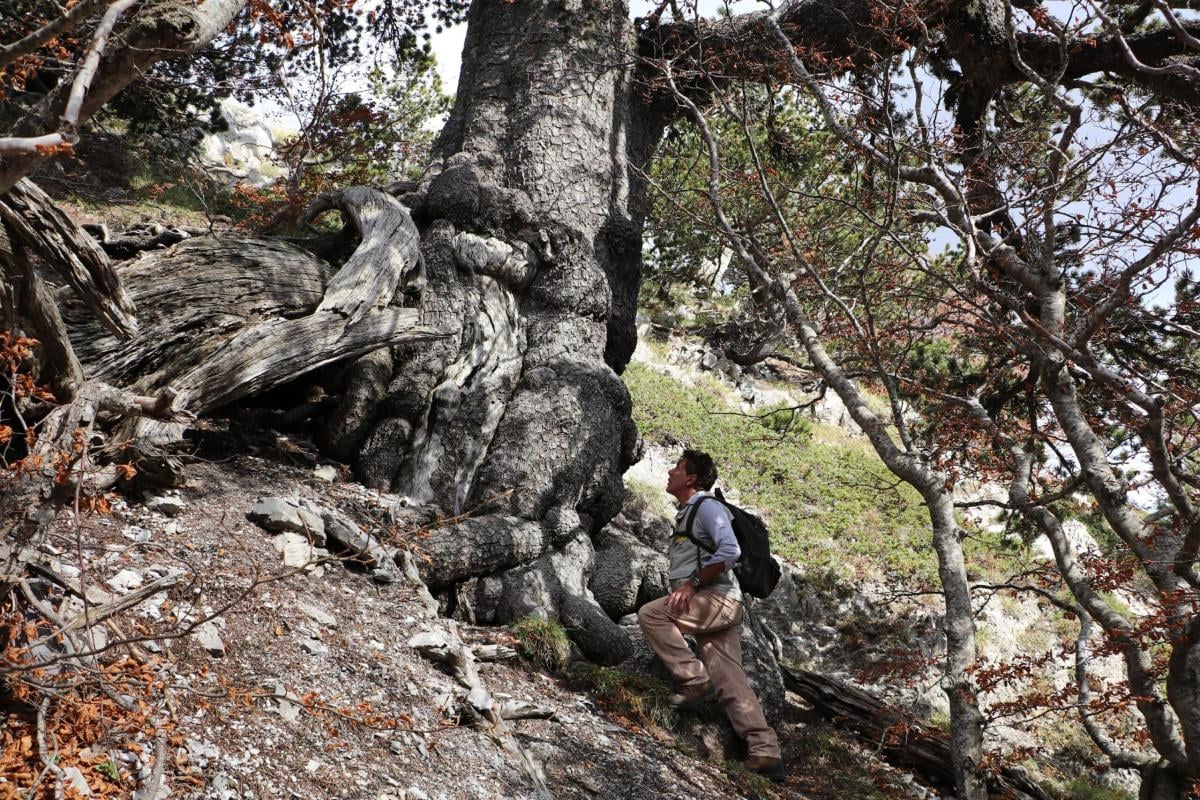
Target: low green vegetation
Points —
{"points": [[1086, 789], [830, 503], [639, 698], [543, 642], [827, 763]]}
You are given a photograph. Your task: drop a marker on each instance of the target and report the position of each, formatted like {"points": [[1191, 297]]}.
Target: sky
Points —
{"points": [[448, 45]]}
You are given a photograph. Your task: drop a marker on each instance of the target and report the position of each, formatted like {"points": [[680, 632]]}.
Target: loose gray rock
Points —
{"points": [[313, 516], [289, 703], [74, 779], [278, 515], [318, 615], [709, 361], [385, 576], [125, 581], [167, 504], [326, 472], [730, 370], [298, 551], [313, 646], [208, 637]]}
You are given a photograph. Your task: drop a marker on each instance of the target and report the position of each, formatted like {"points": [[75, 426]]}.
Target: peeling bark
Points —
{"points": [[228, 318]]}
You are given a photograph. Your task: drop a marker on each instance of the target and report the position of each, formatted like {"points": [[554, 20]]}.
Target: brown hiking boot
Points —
{"points": [[770, 768], [686, 697]]}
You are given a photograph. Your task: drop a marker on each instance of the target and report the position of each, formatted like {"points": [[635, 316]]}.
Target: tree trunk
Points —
{"points": [[1162, 781], [531, 223]]}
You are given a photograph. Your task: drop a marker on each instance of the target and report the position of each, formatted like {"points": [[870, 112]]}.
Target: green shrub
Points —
{"points": [[543, 642]]}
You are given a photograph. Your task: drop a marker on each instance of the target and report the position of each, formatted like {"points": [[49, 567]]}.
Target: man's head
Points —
{"points": [[695, 471]]}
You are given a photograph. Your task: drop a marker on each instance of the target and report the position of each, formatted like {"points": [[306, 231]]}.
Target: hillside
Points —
{"points": [[265, 667], [265, 676], [265, 663]]}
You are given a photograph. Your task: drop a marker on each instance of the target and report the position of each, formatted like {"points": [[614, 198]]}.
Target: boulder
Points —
{"points": [[278, 515]]}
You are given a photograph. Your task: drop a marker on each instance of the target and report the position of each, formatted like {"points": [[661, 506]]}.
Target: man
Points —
{"points": [[705, 601]]}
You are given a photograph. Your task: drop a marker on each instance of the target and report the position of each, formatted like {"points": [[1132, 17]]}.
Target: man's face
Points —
{"points": [[678, 478]]}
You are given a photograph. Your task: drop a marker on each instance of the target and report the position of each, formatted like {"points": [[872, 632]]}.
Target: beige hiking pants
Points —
{"points": [[715, 620]]}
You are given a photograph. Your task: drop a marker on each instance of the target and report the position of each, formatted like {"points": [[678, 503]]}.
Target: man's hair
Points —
{"points": [[701, 465]]}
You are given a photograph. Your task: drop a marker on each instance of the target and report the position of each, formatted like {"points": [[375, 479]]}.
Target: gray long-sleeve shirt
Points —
{"points": [[712, 526]]}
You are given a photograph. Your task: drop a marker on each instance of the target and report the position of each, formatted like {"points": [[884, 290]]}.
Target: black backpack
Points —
{"points": [[757, 573]]}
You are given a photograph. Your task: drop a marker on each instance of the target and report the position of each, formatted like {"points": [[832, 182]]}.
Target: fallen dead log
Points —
{"points": [[227, 317], [898, 736], [139, 238], [33, 219]]}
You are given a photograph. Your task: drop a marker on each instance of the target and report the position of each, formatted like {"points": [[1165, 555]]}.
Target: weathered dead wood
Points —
{"points": [[898, 736], [225, 318], [193, 297], [139, 238], [493, 652], [34, 220], [32, 307], [390, 249], [523, 709], [98, 614], [487, 714], [278, 350]]}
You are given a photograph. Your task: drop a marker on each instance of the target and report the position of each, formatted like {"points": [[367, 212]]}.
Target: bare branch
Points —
{"points": [[63, 24], [83, 80]]}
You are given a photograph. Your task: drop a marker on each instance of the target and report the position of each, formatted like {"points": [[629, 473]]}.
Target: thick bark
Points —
{"points": [[1162, 781], [531, 224]]}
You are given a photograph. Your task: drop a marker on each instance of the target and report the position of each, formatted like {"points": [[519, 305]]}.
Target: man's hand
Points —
{"points": [[680, 600]]}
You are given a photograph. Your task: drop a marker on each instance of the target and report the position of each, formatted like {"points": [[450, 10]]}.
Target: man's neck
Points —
{"points": [[684, 496]]}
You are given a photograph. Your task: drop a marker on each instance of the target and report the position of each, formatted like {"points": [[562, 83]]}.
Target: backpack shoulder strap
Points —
{"points": [[691, 521]]}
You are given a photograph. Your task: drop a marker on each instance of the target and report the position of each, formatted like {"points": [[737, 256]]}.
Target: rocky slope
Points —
{"points": [[278, 641], [267, 668]]}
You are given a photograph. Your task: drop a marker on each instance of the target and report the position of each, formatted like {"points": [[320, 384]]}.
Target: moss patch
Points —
{"points": [[639, 698], [1086, 789], [828, 763]]}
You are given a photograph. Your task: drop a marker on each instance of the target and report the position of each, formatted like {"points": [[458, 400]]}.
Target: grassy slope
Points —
{"points": [[830, 503]]}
